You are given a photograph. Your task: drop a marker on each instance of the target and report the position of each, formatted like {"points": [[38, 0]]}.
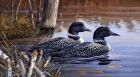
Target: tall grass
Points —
{"points": [[18, 29]]}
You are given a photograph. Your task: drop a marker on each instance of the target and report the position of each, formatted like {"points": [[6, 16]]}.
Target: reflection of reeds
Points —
{"points": [[15, 63]]}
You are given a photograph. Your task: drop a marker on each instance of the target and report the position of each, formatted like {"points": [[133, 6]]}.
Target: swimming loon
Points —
{"points": [[89, 49], [59, 43]]}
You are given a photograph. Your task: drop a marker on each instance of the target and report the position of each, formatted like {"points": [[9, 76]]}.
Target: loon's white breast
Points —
{"points": [[108, 45], [81, 40]]}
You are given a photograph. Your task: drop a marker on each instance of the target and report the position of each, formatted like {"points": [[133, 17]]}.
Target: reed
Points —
{"points": [[20, 28], [15, 63]]}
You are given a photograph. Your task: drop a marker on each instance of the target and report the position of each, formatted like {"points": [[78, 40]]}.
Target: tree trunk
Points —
{"points": [[49, 16]]}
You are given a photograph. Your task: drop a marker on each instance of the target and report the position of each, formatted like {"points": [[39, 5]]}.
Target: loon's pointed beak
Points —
{"points": [[114, 34], [86, 29]]}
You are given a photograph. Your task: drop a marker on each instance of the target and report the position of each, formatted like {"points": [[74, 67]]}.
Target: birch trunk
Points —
{"points": [[49, 16]]}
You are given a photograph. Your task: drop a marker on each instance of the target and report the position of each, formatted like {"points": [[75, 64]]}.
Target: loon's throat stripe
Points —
{"points": [[100, 41], [72, 35]]}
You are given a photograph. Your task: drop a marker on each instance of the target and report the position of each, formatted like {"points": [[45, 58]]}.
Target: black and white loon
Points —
{"points": [[59, 43], [89, 49]]}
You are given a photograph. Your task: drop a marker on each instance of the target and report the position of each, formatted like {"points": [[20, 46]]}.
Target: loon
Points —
{"points": [[56, 44], [89, 49]]}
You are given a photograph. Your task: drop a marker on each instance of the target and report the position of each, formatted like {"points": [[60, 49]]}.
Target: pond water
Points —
{"points": [[126, 52]]}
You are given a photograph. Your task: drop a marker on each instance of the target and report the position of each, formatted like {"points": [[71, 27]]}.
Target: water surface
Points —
{"points": [[126, 49]]}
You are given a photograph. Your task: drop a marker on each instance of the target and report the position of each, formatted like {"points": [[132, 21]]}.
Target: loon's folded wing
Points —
{"points": [[56, 44]]}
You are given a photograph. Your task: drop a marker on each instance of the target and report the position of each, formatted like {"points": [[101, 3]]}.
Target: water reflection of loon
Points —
{"points": [[59, 43], [89, 49]]}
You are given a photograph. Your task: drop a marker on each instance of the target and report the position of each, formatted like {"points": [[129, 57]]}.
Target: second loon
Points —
{"points": [[56, 44], [89, 49]]}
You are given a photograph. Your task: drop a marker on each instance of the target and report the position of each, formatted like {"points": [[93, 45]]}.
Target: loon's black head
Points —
{"points": [[102, 32], [77, 27]]}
